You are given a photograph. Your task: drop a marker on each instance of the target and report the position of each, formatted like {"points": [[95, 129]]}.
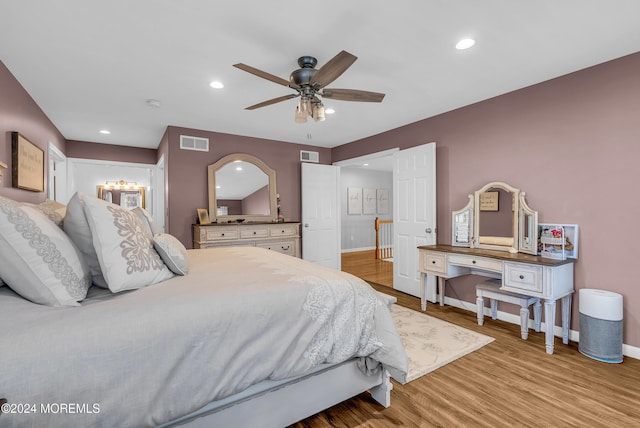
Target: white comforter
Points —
{"points": [[145, 357]]}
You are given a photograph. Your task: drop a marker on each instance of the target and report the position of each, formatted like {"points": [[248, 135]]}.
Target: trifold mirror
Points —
{"points": [[242, 188], [496, 217]]}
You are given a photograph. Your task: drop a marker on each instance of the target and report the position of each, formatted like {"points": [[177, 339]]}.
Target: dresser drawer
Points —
{"points": [[219, 233], [435, 262], [476, 262], [523, 277], [284, 247], [283, 230], [254, 232]]}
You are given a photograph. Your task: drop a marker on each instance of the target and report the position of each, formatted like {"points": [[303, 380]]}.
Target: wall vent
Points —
{"points": [[307, 156], [194, 143]]}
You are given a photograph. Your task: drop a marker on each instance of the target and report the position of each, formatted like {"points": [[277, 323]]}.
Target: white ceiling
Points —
{"points": [[93, 64]]}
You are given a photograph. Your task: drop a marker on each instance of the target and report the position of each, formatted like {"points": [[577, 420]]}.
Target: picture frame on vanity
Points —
{"points": [[27, 164], [567, 248], [489, 201], [203, 216]]}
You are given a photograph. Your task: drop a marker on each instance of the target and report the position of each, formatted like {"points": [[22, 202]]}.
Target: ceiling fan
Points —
{"points": [[310, 84]]}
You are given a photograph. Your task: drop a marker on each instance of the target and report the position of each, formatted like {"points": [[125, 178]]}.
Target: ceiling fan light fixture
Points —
{"points": [[318, 113], [301, 115]]}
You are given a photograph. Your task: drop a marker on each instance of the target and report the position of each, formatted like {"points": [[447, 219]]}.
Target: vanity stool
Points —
{"points": [[491, 289]]}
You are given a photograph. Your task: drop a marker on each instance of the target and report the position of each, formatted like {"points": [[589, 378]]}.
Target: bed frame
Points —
{"points": [[282, 403]]}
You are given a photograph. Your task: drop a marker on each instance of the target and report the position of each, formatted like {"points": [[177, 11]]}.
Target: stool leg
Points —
{"points": [[494, 309], [537, 315], [480, 310], [524, 322]]}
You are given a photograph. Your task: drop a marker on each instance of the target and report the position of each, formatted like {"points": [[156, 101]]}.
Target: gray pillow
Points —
{"points": [[173, 253], [39, 261]]}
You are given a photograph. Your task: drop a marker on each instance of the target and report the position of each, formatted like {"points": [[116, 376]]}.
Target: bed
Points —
{"points": [[243, 337]]}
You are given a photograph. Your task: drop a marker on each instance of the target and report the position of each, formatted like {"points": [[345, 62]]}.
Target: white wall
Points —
{"points": [[84, 175], [358, 231]]}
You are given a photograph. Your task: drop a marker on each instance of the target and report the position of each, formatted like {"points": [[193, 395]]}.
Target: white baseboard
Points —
{"points": [[574, 336], [354, 250]]}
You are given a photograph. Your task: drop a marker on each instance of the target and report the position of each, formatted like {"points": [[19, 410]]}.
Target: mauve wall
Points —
{"points": [[572, 144], [187, 184], [85, 150], [19, 112]]}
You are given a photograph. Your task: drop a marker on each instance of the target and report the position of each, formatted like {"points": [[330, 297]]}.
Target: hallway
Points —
{"points": [[363, 264]]}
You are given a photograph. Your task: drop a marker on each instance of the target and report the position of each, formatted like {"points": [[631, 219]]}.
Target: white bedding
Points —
{"points": [[148, 356]]}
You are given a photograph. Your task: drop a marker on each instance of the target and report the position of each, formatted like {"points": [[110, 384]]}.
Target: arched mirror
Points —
{"points": [[496, 217], [241, 188]]}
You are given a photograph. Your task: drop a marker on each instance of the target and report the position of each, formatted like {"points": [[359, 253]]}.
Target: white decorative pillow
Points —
{"points": [[124, 246], [39, 261], [52, 209], [146, 219], [75, 225], [173, 253]]}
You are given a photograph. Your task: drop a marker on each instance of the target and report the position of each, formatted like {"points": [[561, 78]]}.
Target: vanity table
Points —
{"points": [[530, 275], [496, 235]]}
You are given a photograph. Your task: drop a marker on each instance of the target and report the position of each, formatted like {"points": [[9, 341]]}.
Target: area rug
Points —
{"points": [[431, 343]]}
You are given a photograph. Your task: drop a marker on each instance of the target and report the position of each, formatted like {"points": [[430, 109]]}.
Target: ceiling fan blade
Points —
{"points": [[272, 101], [264, 75], [352, 95], [333, 69]]}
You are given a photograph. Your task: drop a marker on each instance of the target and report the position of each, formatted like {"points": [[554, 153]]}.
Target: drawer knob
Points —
{"points": [[433, 261], [473, 261], [254, 232], [222, 234], [521, 276]]}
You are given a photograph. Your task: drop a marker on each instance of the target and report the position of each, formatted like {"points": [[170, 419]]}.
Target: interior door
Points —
{"points": [[414, 215], [320, 214]]}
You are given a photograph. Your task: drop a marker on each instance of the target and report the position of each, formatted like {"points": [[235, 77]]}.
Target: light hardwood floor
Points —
{"points": [[508, 383]]}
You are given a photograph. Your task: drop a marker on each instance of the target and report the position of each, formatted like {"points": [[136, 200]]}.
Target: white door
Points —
{"points": [[414, 215], [320, 214], [57, 183]]}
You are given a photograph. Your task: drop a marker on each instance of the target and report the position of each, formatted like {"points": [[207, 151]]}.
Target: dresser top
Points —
{"points": [[247, 223], [494, 254]]}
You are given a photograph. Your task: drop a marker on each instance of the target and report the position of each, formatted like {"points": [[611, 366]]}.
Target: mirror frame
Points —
{"points": [[211, 171], [520, 212], [493, 242]]}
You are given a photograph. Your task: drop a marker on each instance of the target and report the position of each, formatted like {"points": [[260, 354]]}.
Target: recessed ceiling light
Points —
{"points": [[216, 85], [365, 164], [105, 131], [465, 44], [329, 111]]}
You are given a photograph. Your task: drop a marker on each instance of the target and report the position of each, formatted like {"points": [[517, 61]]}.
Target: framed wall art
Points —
{"points": [[368, 201], [354, 200], [382, 201], [27, 164]]}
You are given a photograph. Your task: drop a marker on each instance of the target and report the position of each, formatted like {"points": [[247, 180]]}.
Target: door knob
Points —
{"points": [[428, 230]]}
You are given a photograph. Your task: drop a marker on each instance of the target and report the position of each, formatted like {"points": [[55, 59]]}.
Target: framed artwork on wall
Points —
{"points": [[382, 201], [368, 201], [27, 164], [354, 200]]}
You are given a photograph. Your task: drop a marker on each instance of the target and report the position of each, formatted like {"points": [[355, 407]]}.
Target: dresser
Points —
{"points": [[281, 237], [526, 274]]}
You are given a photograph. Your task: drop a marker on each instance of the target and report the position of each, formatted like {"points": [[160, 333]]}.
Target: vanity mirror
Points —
{"points": [[496, 217], [241, 188]]}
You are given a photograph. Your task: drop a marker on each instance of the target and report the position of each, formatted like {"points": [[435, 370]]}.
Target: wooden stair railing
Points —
{"points": [[384, 239]]}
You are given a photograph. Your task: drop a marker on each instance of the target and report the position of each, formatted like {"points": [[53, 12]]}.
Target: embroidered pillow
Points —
{"points": [[146, 219], [75, 225], [52, 209], [173, 253], [124, 246], [39, 261]]}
